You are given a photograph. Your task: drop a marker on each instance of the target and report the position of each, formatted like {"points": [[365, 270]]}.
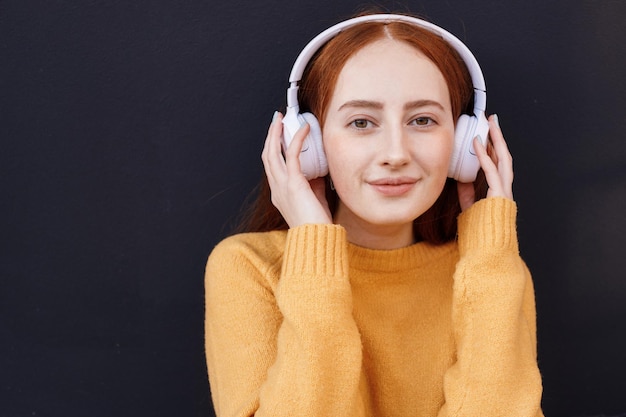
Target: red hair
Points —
{"points": [[437, 224]]}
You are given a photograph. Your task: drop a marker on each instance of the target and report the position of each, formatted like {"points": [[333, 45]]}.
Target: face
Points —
{"points": [[388, 137]]}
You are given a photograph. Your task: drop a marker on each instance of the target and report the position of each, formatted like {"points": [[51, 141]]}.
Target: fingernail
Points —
{"points": [[275, 116], [495, 119]]}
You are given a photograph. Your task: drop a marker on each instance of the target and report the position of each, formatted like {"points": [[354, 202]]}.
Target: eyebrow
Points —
{"points": [[378, 105]]}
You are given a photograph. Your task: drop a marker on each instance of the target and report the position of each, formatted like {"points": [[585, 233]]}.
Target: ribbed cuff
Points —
{"points": [[316, 249], [489, 223]]}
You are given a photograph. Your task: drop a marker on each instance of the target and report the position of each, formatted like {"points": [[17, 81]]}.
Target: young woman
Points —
{"points": [[384, 288]]}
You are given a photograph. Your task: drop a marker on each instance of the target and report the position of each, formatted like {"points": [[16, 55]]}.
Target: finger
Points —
{"points": [[486, 162], [500, 146], [491, 152], [498, 183], [496, 132], [272, 154], [273, 129], [503, 158], [492, 175]]}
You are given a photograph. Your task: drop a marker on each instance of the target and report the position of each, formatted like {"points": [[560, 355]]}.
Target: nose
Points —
{"points": [[395, 152]]}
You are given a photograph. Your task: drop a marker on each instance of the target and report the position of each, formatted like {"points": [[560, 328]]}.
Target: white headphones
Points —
{"points": [[464, 164]]}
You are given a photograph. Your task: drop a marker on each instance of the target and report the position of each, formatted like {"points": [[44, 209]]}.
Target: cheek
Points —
{"points": [[345, 163], [446, 154], [446, 148], [338, 163], [336, 152], [435, 156]]}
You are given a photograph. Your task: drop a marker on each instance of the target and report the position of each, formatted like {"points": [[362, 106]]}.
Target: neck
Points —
{"points": [[384, 237]]}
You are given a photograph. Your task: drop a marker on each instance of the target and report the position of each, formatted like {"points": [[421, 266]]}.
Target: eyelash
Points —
{"points": [[429, 121], [355, 121]]}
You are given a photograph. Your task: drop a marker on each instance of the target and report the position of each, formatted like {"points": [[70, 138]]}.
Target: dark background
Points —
{"points": [[131, 133]]}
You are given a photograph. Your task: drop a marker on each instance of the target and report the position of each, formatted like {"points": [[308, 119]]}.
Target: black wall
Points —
{"points": [[131, 132]]}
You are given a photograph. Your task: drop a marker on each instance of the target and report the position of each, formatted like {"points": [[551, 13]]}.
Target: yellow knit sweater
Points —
{"points": [[303, 323]]}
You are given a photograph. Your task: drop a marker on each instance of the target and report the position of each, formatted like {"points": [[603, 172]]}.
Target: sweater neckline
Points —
{"points": [[393, 260]]}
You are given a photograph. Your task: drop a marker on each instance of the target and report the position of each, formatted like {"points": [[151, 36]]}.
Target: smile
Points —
{"points": [[393, 187]]}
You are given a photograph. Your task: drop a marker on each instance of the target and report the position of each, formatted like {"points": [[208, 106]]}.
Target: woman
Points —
{"points": [[383, 288]]}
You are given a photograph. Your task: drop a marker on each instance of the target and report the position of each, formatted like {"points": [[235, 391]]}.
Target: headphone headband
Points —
{"points": [[478, 81]]}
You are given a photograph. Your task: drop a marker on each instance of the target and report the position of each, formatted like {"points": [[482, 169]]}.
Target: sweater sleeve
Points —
{"points": [[493, 313], [288, 348]]}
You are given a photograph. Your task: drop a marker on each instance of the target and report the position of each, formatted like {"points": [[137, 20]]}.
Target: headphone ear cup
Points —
{"points": [[313, 161], [464, 164], [460, 146]]}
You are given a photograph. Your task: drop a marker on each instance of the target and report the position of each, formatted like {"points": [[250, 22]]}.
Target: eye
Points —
{"points": [[360, 123], [422, 121]]}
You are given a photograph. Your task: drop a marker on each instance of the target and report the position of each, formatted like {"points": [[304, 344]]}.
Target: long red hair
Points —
{"points": [[438, 224]]}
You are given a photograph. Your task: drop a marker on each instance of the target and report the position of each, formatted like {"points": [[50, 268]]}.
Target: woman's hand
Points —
{"points": [[298, 200], [497, 163]]}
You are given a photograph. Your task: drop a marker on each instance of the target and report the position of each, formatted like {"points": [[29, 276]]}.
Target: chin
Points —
{"points": [[392, 214], [393, 219], [382, 214]]}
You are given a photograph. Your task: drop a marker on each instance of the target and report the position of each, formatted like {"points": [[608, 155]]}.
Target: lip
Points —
{"points": [[393, 186]]}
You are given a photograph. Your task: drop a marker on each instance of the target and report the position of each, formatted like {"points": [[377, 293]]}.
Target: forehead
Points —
{"points": [[391, 68]]}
